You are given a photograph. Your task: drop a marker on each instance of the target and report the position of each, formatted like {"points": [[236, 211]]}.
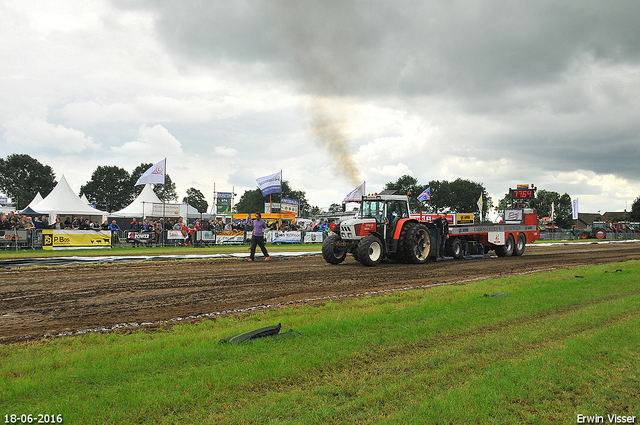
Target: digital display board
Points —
{"points": [[523, 194]]}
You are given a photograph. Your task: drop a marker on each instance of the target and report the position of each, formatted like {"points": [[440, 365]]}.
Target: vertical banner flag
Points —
{"points": [[270, 184], [223, 203], [155, 174], [553, 209], [355, 195], [480, 203], [574, 209], [425, 195]]}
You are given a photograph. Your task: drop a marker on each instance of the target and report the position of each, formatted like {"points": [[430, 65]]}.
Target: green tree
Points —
{"points": [[22, 177], [634, 215], [109, 188], [561, 206], [459, 196], [252, 200], [333, 208], [504, 203], [195, 198], [166, 192], [464, 196], [408, 185]]}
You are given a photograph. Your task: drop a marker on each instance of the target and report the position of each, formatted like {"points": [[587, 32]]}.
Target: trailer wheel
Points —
{"points": [[369, 251], [506, 250], [520, 245], [601, 234], [414, 244], [455, 249], [331, 253]]}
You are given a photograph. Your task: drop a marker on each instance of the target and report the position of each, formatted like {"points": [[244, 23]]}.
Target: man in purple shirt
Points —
{"points": [[257, 237]]}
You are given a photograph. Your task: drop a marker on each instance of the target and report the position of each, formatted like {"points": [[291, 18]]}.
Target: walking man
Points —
{"points": [[257, 237]]}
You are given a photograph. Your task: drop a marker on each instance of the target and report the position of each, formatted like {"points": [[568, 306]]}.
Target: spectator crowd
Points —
{"points": [[159, 228]]}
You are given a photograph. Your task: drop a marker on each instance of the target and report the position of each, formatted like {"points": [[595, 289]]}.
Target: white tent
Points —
{"points": [[142, 206], [37, 199], [84, 199], [62, 201]]}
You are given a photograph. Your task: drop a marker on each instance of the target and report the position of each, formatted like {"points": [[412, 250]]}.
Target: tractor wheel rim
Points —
{"points": [[374, 251], [422, 248]]}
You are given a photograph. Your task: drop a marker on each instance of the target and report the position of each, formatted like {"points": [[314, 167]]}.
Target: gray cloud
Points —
{"points": [[410, 48]]}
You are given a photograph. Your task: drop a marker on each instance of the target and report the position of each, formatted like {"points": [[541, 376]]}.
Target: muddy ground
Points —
{"points": [[55, 301]]}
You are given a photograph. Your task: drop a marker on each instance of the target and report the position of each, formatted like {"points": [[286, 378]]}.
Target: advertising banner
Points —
{"points": [[313, 237], [286, 237], [515, 216], [290, 205], [464, 218], [206, 236], [175, 234], [223, 205], [164, 210], [430, 217], [496, 238], [10, 237], [230, 239], [73, 239], [142, 237]]}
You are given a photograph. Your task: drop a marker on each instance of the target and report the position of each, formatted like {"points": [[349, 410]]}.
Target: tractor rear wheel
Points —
{"points": [[414, 244], [369, 251], [601, 234], [331, 253], [520, 245]]}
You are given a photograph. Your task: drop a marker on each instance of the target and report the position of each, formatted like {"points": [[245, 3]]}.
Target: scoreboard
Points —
{"points": [[523, 191]]}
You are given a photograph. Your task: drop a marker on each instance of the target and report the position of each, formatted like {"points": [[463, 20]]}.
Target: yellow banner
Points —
{"points": [[52, 239], [464, 218]]}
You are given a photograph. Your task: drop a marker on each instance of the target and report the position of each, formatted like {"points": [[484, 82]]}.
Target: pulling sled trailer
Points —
{"points": [[519, 227], [386, 229]]}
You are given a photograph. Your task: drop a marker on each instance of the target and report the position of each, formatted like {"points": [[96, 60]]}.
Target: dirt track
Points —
{"points": [[56, 300]]}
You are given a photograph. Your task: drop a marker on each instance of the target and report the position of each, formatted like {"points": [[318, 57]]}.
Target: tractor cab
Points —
{"points": [[384, 209]]}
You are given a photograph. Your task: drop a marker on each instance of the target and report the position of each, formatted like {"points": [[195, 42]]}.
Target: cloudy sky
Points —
{"points": [[332, 93]]}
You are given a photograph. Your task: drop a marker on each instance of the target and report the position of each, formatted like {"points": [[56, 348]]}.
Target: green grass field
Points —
{"points": [[550, 347]]}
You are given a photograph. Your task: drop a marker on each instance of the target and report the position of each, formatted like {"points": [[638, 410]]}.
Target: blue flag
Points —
{"points": [[425, 195]]}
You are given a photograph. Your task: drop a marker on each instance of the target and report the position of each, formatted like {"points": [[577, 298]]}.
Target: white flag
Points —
{"points": [[574, 208], [270, 184], [553, 210], [155, 174], [355, 195]]}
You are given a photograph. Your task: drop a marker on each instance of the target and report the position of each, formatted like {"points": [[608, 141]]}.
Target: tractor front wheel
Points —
{"points": [[331, 253], [369, 251]]}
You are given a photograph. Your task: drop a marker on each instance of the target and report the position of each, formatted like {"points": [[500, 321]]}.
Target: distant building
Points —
{"points": [[586, 219]]}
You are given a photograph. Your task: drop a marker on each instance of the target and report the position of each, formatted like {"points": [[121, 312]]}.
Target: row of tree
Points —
{"points": [[252, 201], [110, 188]]}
